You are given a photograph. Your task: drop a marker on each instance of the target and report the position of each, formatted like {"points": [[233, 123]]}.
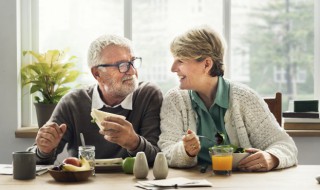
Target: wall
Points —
{"points": [[8, 83], [309, 151]]}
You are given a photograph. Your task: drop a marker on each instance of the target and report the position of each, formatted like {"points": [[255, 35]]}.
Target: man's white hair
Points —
{"points": [[94, 52]]}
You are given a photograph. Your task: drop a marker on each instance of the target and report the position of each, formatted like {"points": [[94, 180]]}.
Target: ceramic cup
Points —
{"points": [[24, 165], [236, 158]]}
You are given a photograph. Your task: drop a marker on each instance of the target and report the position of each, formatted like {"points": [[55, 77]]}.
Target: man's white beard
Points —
{"points": [[124, 89]]}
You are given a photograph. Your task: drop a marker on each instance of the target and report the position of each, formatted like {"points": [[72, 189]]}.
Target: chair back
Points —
{"points": [[275, 106]]}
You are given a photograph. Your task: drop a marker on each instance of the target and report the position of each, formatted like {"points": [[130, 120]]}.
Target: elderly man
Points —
{"points": [[114, 66]]}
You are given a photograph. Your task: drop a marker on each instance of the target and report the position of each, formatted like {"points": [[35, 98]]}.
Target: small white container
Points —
{"points": [[237, 157], [160, 167], [140, 167]]}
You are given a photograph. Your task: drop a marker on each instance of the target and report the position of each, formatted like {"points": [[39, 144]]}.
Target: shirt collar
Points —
{"points": [[98, 103], [222, 93]]}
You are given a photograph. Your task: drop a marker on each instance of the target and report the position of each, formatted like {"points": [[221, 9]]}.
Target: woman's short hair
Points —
{"points": [[200, 43], [96, 47]]}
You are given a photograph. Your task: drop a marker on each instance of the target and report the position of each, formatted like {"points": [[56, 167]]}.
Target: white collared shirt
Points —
{"points": [[98, 103]]}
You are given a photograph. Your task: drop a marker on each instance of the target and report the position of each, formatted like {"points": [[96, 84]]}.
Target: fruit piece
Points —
{"points": [[57, 168], [73, 161], [98, 116], [127, 165], [72, 168]]}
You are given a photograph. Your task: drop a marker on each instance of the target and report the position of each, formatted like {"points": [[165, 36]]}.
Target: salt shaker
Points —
{"points": [[140, 167], [160, 167]]}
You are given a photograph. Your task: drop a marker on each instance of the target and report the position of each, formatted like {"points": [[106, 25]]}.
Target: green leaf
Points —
{"points": [[221, 142], [71, 77], [48, 74]]}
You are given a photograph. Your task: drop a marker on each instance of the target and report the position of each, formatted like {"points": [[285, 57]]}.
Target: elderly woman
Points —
{"points": [[208, 104]]}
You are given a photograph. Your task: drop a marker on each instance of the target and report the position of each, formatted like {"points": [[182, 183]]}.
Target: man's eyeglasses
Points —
{"points": [[124, 66]]}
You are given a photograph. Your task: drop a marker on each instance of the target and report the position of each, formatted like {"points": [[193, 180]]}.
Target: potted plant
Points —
{"points": [[47, 77]]}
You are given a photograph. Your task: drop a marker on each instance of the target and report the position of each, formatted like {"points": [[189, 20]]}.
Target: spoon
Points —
{"points": [[82, 139]]}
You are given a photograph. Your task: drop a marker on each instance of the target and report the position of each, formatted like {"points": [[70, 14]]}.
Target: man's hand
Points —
{"points": [[119, 131], [49, 136], [191, 143]]}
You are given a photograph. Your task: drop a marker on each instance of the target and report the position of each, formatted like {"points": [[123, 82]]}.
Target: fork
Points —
{"points": [[201, 136]]}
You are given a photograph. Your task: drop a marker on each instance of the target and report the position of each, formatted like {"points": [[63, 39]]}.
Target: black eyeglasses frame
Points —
{"points": [[124, 66]]}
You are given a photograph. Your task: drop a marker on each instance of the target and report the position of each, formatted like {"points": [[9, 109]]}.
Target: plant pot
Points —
{"points": [[44, 112]]}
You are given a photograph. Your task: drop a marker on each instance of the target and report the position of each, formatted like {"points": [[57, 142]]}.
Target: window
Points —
{"points": [[272, 45], [270, 42], [155, 23]]}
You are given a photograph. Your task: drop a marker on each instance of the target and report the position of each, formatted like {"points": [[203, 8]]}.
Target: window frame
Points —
{"points": [[316, 61], [29, 13]]}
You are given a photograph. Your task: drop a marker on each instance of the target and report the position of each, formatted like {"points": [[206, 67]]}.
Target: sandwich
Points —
{"points": [[98, 116]]}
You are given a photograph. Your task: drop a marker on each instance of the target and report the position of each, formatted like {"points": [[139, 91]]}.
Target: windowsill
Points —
{"points": [[26, 132], [31, 132]]}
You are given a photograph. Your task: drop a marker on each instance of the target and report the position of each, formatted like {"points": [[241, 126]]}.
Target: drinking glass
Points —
{"points": [[88, 152], [221, 160]]}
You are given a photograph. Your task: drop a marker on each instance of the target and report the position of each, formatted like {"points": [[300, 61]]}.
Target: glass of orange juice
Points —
{"points": [[221, 159]]}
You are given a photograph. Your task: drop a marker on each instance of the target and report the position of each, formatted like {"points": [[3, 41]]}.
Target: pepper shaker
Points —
{"points": [[160, 167], [140, 167]]}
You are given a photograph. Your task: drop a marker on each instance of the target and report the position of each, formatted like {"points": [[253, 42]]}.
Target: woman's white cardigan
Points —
{"points": [[248, 122]]}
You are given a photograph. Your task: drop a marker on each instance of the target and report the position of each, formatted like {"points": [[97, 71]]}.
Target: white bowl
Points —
{"points": [[237, 157]]}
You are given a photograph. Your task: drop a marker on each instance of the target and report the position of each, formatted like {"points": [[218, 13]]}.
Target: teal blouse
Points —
{"points": [[210, 121]]}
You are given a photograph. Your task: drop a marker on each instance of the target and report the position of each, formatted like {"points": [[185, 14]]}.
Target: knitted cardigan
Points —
{"points": [[248, 122]]}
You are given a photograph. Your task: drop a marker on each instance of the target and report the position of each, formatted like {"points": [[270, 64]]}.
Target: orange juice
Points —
{"points": [[222, 164], [221, 157]]}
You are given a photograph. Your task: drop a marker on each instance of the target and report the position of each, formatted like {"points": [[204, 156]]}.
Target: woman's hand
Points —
{"points": [[191, 143], [258, 161]]}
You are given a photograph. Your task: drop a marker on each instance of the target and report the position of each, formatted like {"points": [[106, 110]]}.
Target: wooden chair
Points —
{"points": [[275, 106]]}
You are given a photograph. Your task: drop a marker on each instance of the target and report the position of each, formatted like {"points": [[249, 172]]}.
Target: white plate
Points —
{"points": [[108, 165], [108, 162]]}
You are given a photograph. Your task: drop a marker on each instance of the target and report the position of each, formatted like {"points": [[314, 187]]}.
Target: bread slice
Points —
{"points": [[108, 162], [98, 116]]}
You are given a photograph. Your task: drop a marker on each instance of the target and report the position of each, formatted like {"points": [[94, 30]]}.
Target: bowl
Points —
{"points": [[237, 157], [70, 176]]}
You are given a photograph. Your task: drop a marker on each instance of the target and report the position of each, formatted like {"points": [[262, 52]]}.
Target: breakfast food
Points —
{"points": [[98, 116], [73, 161], [70, 164], [220, 141], [127, 165], [108, 162]]}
